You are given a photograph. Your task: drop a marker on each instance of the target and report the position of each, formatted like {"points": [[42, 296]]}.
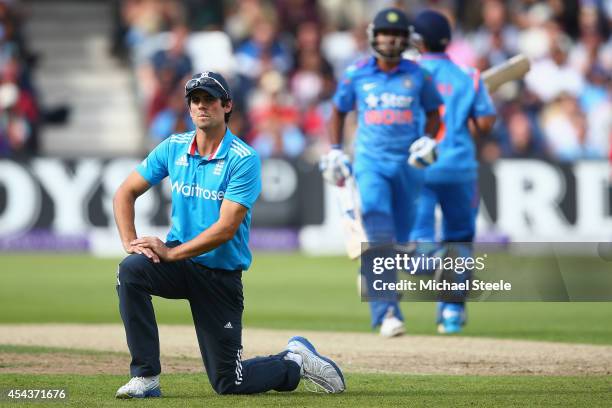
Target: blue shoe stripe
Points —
{"points": [[310, 347], [152, 393]]}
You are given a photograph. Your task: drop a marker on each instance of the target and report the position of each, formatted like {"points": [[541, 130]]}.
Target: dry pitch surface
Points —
{"points": [[355, 352]]}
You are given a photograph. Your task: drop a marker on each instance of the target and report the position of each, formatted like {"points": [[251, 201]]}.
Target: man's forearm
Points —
{"points": [[482, 125], [336, 127], [123, 208], [432, 125], [206, 241]]}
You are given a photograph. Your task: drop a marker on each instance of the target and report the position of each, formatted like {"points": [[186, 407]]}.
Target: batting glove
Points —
{"points": [[423, 152], [336, 167]]}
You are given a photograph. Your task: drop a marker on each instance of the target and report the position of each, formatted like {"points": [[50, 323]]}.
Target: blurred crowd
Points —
{"points": [[283, 58], [20, 114]]}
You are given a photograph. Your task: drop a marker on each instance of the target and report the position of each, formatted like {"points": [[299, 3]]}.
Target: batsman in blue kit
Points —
{"points": [[389, 94], [451, 181], [214, 179]]}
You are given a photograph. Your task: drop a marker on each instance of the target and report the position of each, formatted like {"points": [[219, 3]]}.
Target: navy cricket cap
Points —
{"points": [[434, 29], [210, 82], [391, 19]]}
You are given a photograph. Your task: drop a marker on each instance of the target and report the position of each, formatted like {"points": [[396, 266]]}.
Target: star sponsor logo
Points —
{"points": [[388, 100], [371, 100], [391, 100]]}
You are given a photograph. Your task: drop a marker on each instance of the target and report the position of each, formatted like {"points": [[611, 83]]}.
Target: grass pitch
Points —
{"points": [[364, 390], [291, 291], [282, 291]]}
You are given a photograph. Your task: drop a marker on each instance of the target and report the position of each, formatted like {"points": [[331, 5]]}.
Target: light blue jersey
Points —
{"points": [[388, 107], [200, 184], [465, 96]]}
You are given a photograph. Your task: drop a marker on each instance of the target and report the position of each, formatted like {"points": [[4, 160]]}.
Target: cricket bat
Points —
{"points": [[510, 70], [354, 234]]}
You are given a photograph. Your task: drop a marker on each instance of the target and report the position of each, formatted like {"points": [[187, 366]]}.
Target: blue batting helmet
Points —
{"points": [[433, 29], [391, 20]]}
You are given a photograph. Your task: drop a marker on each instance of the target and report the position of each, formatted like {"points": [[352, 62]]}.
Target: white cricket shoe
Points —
{"points": [[140, 387], [322, 371], [391, 326]]}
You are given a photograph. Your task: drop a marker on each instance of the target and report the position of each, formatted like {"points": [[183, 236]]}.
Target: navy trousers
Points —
{"points": [[216, 301]]}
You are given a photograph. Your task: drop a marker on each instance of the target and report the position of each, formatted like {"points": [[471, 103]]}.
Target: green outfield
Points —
{"points": [[288, 291], [366, 390]]}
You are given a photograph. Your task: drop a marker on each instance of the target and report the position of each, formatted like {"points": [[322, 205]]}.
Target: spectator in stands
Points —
{"points": [[292, 13], [460, 50], [263, 51], [243, 17], [312, 84], [496, 40], [204, 14], [275, 119], [342, 48], [553, 75], [20, 115], [174, 118], [564, 126], [17, 126], [147, 17], [307, 82], [521, 137], [569, 43], [592, 47], [596, 102], [168, 68]]}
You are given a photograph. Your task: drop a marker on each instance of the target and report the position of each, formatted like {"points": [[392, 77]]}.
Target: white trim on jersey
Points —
{"points": [[240, 149], [181, 138]]}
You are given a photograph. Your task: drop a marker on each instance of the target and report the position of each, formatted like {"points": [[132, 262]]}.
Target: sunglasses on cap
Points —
{"points": [[204, 81]]}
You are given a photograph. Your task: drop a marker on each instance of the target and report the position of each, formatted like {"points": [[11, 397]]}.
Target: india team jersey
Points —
{"points": [[388, 106], [200, 184], [465, 96]]}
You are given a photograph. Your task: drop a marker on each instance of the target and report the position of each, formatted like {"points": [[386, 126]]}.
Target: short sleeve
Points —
{"points": [[430, 98], [244, 184], [483, 105], [344, 98], [155, 166]]}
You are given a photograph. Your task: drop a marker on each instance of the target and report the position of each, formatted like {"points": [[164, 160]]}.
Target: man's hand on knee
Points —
{"points": [[136, 249], [154, 246]]}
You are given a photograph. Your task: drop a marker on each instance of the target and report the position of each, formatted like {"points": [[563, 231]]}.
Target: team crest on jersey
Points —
{"points": [[182, 161], [218, 168]]}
